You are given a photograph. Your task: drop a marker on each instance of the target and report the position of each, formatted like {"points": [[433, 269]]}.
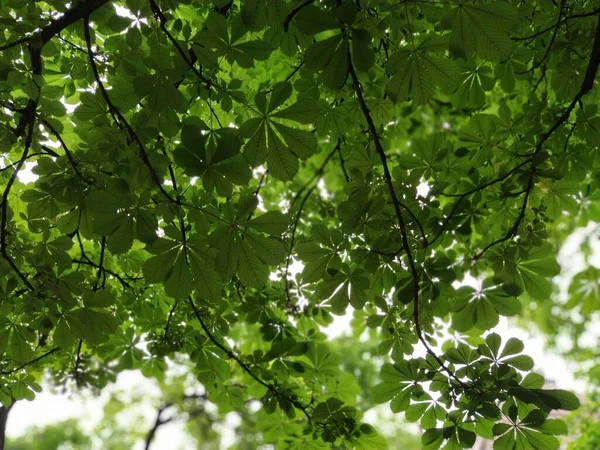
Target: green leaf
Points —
{"points": [[157, 268], [180, 282], [273, 223], [313, 20], [283, 164], [252, 271], [521, 362], [303, 143], [93, 325], [207, 282]]}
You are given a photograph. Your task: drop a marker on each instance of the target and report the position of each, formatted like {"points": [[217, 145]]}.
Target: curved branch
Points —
{"points": [[586, 87], [315, 176], [293, 12], [64, 146], [119, 118], [552, 39], [162, 20], [564, 19], [416, 276], [230, 354]]}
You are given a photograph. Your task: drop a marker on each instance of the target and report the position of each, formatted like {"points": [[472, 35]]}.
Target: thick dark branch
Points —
{"points": [[81, 10], [158, 422], [4, 206], [230, 354], [402, 225], [4, 411], [592, 68], [293, 12]]}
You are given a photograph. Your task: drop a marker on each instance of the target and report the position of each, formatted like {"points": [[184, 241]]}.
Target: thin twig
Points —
{"points": [[162, 20], [166, 332], [24, 40], [29, 363], [586, 86], [77, 364], [551, 43], [124, 283], [64, 146], [564, 19], [157, 424], [230, 354], [343, 166], [313, 181], [119, 118]]}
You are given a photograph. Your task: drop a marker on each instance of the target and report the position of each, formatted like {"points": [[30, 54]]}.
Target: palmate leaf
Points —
{"points": [[207, 282], [252, 271], [282, 163], [93, 325], [417, 75], [273, 223], [481, 308], [397, 382], [277, 162], [303, 143], [180, 282], [482, 28], [313, 20]]}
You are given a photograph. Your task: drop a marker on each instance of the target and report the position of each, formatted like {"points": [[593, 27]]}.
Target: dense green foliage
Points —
{"points": [[188, 153]]}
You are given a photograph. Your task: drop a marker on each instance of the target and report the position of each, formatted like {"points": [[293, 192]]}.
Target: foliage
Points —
{"points": [[584, 427], [63, 435], [187, 153]]}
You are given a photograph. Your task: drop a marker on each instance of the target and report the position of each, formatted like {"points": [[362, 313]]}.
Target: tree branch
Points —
{"points": [[166, 332], [30, 362], [64, 146], [158, 422], [313, 179], [586, 86], [23, 40], [124, 283], [162, 20], [402, 225], [119, 118], [77, 364], [293, 12], [552, 39], [230, 354], [564, 19]]}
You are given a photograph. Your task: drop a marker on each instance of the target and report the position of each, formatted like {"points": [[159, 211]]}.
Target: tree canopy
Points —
{"points": [[189, 156]]}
